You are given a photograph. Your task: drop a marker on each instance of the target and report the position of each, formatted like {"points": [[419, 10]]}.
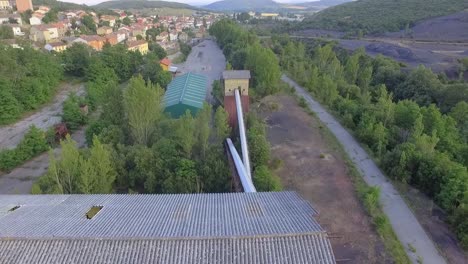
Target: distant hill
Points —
{"points": [[141, 4], [323, 3], [378, 16], [244, 5], [60, 5]]}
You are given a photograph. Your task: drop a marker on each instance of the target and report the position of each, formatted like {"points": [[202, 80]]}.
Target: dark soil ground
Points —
{"points": [[317, 171], [437, 43], [447, 28]]}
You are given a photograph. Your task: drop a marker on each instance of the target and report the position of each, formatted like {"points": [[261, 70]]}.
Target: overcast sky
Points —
{"points": [[193, 2]]}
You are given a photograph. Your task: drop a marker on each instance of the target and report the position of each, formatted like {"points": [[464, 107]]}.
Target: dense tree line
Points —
{"points": [[243, 50], [378, 16], [415, 123], [28, 79]]}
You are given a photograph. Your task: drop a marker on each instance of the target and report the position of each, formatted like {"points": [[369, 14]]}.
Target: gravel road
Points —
{"points": [[46, 117], [403, 221], [206, 59]]}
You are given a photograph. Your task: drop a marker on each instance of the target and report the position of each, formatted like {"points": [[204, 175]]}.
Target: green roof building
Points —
{"points": [[185, 92]]}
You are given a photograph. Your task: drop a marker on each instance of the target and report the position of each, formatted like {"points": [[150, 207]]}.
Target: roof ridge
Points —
{"points": [[185, 87], [292, 234]]}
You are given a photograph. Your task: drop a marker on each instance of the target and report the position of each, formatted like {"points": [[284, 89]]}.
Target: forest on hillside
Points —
{"points": [[378, 16]]}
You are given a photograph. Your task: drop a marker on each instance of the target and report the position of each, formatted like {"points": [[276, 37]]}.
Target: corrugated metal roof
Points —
{"points": [[180, 228], [305, 249], [236, 75], [188, 89], [169, 216]]}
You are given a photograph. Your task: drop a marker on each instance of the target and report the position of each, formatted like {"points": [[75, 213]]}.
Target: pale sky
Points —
{"points": [[193, 2]]}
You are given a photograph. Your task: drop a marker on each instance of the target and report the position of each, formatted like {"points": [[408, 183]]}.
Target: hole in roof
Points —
{"points": [[93, 211], [14, 208]]}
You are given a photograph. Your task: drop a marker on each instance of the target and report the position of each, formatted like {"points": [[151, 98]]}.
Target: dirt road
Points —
{"points": [[315, 168], [406, 226], [207, 59], [46, 117], [21, 179]]}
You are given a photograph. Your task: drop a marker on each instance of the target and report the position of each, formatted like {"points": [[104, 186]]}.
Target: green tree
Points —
{"points": [[10, 109], [76, 59], [259, 148], [459, 114], [422, 86], [98, 173], [88, 22], [63, 175], [203, 129], [126, 21], [265, 180], [264, 66], [185, 133], [153, 72], [51, 16], [143, 106], [72, 114], [75, 173], [222, 129], [157, 50], [6, 32], [184, 179], [352, 68]]}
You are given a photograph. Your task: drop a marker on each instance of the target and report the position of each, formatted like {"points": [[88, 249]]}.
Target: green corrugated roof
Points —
{"points": [[188, 89]]}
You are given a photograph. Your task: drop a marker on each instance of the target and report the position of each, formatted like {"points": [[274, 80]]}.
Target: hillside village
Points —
{"points": [[52, 30]]}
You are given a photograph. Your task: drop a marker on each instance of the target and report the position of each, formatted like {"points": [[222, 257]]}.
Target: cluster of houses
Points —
{"points": [[110, 29]]}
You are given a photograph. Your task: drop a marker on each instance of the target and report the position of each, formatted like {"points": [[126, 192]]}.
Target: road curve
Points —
{"points": [[404, 223]]}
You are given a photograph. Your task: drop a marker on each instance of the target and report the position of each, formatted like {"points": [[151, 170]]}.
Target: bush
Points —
{"points": [[265, 180], [72, 115], [33, 144]]}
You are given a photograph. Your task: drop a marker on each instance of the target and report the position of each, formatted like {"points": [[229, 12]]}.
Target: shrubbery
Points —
{"points": [[74, 115], [33, 144], [28, 79]]}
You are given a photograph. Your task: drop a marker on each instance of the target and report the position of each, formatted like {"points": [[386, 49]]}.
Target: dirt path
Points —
{"points": [[317, 171], [21, 179], [206, 59], [44, 118], [406, 226]]}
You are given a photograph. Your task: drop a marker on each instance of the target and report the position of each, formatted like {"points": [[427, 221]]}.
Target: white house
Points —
{"points": [[17, 30], [35, 20], [173, 35]]}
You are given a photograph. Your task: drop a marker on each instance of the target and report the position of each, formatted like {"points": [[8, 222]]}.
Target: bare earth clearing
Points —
{"points": [[297, 139], [44, 118]]}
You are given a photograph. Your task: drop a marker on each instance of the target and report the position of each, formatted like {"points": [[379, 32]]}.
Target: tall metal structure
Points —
{"points": [[242, 166]]}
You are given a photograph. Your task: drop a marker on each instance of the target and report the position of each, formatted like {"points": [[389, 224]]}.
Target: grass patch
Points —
{"points": [[369, 196]]}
